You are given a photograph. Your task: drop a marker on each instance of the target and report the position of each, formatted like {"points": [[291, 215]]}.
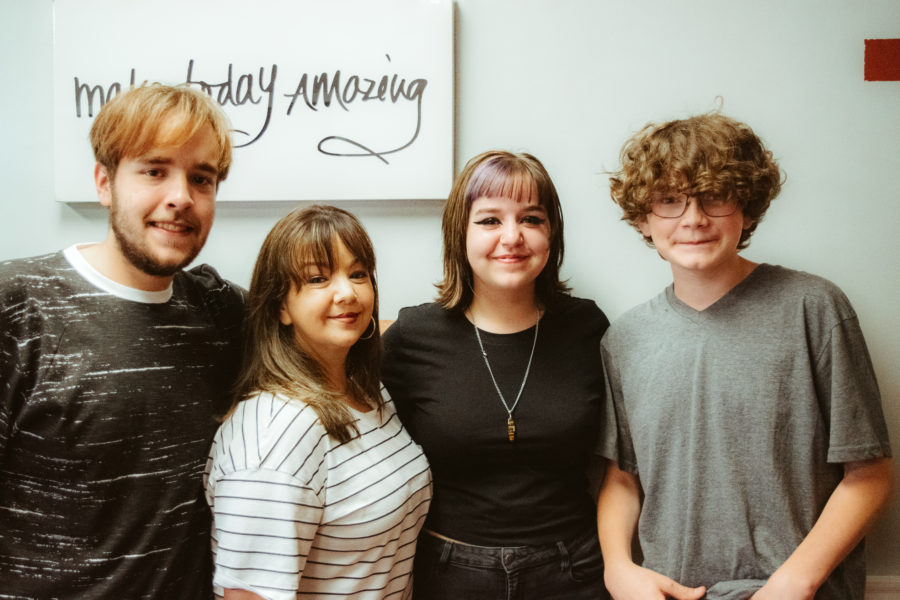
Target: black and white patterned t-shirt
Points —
{"points": [[108, 397]]}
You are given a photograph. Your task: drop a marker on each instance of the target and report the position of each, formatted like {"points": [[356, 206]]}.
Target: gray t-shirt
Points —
{"points": [[737, 420]]}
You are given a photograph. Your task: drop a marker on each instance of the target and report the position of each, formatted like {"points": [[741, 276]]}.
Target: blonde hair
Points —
{"points": [[155, 115], [273, 361], [705, 153], [497, 173]]}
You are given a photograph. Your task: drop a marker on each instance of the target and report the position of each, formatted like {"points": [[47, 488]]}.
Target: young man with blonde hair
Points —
{"points": [[113, 364], [744, 428]]}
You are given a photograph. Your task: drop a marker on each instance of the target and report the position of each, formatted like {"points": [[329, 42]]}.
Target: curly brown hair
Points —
{"points": [[705, 153]]}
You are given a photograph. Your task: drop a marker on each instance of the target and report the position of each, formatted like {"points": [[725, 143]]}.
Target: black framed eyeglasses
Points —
{"points": [[673, 205]]}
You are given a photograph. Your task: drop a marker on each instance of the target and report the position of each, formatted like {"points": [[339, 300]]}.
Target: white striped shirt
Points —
{"points": [[296, 513]]}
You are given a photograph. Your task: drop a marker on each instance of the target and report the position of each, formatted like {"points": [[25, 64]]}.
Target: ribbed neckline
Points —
{"points": [[99, 280]]}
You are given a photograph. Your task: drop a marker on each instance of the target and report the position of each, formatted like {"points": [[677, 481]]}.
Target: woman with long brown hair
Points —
{"points": [[315, 487]]}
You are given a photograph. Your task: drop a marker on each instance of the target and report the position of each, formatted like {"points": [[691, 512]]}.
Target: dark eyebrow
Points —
{"points": [[204, 167], [207, 168], [155, 160], [484, 212], [531, 208]]}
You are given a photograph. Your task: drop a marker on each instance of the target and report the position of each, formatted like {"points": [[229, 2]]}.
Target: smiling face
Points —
{"points": [[507, 244], [162, 206], [695, 242], [331, 308]]}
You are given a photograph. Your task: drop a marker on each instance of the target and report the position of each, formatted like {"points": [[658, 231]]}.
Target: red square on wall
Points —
{"points": [[882, 60]]}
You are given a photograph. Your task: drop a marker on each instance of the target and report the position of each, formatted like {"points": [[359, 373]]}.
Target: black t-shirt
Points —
{"points": [[487, 490]]}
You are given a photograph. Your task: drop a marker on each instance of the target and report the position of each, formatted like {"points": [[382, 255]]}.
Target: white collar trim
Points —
{"points": [[97, 279]]}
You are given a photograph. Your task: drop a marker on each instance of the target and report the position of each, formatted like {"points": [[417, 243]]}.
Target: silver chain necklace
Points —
{"points": [[510, 422]]}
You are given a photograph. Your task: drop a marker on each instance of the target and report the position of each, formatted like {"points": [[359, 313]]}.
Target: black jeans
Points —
{"points": [[564, 570]]}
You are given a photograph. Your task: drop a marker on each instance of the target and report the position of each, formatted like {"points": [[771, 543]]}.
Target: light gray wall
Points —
{"points": [[569, 80]]}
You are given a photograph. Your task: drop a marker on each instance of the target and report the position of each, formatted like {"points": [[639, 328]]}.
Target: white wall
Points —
{"points": [[569, 80]]}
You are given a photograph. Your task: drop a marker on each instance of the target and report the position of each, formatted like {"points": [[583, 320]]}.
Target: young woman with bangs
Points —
{"points": [[499, 381]]}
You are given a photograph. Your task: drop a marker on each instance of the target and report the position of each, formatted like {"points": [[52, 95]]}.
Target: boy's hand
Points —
{"points": [[628, 581], [782, 586]]}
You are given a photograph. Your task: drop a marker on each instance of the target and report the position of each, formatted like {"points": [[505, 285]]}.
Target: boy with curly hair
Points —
{"points": [[745, 435]]}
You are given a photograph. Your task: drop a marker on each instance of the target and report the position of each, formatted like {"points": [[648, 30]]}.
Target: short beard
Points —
{"points": [[139, 258]]}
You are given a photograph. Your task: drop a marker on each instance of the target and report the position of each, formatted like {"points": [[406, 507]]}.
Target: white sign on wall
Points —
{"points": [[329, 99]]}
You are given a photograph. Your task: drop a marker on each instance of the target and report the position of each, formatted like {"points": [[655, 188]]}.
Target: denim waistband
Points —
{"points": [[505, 558]]}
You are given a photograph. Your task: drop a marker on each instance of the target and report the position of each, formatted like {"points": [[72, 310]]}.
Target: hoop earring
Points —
{"points": [[374, 328]]}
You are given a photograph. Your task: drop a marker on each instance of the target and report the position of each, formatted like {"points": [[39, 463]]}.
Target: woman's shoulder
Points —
{"points": [[267, 425], [567, 303], [429, 318], [418, 312], [268, 410], [583, 311]]}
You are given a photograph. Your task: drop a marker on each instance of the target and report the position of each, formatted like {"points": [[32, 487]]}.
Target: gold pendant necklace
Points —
{"points": [[510, 422]]}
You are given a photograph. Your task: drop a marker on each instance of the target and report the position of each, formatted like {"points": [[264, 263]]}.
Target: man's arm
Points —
{"points": [[849, 513], [8, 363], [19, 337], [618, 510]]}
